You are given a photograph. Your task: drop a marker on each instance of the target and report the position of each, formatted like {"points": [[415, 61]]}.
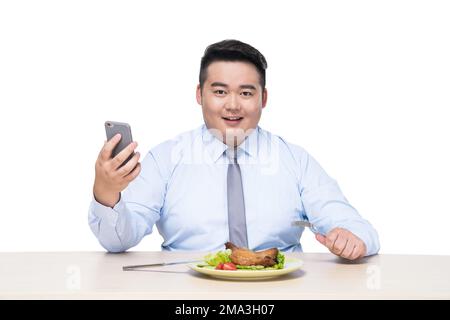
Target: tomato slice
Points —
{"points": [[219, 266], [229, 266]]}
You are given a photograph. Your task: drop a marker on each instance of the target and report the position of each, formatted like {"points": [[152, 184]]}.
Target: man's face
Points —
{"points": [[232, 99]]}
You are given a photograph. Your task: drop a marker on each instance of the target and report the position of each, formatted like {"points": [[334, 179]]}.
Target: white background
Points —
{"points": [[364, 86]]}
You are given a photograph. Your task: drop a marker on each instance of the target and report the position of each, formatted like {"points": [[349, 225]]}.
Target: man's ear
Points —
{"points": [[264, 98], [199, 94]]}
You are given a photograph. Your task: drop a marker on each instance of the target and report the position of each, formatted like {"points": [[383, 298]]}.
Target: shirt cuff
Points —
{"points": [[108, 214]]}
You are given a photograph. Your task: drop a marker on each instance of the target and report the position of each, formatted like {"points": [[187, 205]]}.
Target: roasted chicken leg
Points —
{"points": [[245, 257]]}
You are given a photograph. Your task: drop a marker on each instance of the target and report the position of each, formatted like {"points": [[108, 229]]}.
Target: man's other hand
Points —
{"points": [[110, 178], [343, 243]]}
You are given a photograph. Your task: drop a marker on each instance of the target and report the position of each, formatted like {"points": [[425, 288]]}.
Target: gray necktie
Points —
{"points": [[236, 206]]}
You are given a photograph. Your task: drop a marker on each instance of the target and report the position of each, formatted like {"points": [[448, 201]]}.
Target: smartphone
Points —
{"points": [[112, 128]]}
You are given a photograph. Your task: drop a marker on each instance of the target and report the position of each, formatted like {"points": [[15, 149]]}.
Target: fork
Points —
{"points": [[304, 223]]}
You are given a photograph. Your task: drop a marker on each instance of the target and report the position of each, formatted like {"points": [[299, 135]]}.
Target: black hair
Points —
{"points": [[233, 50]]}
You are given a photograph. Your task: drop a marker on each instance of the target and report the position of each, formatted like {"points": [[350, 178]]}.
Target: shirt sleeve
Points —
{"points": [[123, 226], [327, 208]]}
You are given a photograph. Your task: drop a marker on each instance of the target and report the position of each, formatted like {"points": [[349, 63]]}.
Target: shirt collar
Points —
{"points": [[216, 148]]}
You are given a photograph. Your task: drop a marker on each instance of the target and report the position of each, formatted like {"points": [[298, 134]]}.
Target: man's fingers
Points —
{"points": [[129, 166], [321, 239], [123, 155], [348, 250], [339, 244], [357, 253], [362, 250], [108, 147], [133, 174], [331, 239], [343, 243]]}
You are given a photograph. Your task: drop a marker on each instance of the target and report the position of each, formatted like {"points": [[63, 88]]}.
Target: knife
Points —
{"points": [[304, 223], [130, 268]]}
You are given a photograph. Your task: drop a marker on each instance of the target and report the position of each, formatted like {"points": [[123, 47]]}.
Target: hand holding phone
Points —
{"points": [[117, 164]]}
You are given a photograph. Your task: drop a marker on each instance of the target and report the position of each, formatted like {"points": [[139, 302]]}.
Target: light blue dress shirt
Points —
{"points": [[182, 189]]}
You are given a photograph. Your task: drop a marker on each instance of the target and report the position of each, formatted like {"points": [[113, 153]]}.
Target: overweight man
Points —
{"points": [[227, 180]]}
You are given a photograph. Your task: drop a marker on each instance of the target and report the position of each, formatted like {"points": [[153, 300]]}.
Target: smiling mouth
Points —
{"points": [[232, 118]]}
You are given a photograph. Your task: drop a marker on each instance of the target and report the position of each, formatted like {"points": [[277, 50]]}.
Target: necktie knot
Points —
{"points": [[232, 154]]}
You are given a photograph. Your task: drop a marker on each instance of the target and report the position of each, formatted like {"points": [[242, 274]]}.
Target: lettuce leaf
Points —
{"points": [[280, 259], [219, 257]]}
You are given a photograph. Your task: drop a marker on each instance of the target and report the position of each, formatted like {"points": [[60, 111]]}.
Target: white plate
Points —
{"points": [[290, 265]]}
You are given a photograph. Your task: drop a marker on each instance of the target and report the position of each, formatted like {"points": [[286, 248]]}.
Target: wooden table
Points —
{"points": [[98, 275]]}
